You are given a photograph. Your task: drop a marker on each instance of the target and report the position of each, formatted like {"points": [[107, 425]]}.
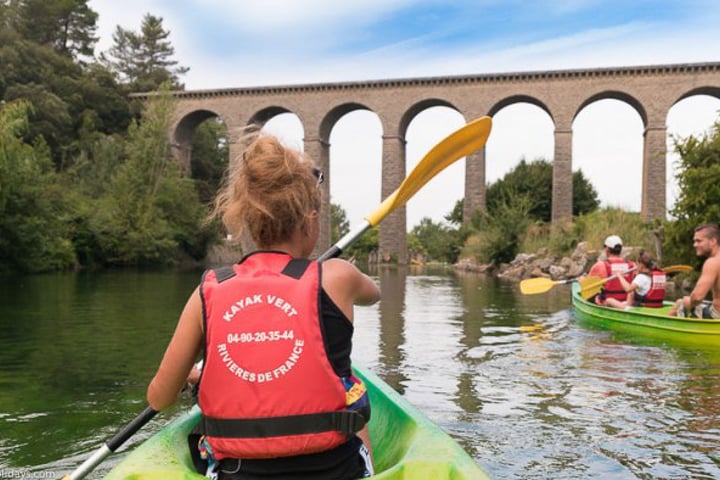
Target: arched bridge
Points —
{"points": [[650, 90]]}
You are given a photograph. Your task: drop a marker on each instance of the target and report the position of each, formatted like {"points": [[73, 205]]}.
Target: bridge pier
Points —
{"points": [[562, 188], [393, 247], [654, 171]]}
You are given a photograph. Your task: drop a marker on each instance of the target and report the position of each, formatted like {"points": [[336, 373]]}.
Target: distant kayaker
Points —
{"points": [[706, 241], [647, 289], [276, 389], [613, 265]]}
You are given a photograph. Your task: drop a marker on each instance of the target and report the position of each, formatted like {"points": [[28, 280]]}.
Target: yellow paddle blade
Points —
{"points": [[591, 286], [531, 286], [458, 144], [678, 269]]}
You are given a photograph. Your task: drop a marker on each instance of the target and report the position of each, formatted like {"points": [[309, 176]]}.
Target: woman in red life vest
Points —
{"points": [[647, 289], [275, 331], [613, 265]]}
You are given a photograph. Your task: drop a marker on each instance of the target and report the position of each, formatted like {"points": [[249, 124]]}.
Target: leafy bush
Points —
{"points": [[498, 236], [699, 199]]}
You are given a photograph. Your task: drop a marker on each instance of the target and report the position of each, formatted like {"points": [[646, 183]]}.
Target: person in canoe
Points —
{"points": [[647, 289], [706, 239], [276, 390], [613, 265]]}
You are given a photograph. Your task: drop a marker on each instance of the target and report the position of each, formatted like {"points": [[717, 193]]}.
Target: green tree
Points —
{"points": [[455, 216], [209, 158], [534, 180], [67, 99], [68, 26], [33, 208], [143, 60], [585, 197], [439, 242], [498, 236], [150, 211], [363, 247], [339, 224], [698, 201]]}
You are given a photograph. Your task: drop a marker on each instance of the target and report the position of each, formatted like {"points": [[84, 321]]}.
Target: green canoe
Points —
{"points": [[648, 321], [406, 445]]}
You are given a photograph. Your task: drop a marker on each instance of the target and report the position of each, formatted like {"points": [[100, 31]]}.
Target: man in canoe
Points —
{"points": [[706, 240], [613, 266], [276, 390]]}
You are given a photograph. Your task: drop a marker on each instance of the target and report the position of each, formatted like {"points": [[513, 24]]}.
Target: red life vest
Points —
{"points": [[655, 296], [613, 288], [268, 388]]}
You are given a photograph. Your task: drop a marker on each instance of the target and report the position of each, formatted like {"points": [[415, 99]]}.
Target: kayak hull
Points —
{"points": [[406, 445], [648, 321]]}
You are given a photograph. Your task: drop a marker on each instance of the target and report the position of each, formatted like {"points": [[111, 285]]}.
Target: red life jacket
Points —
{"points": [[268, 388], [655, 296], [613, 288]]}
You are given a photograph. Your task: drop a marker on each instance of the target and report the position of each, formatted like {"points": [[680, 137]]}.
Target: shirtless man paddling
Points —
{"points": [[706, 242]]}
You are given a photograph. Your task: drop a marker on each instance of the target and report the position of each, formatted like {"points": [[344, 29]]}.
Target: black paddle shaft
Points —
{"points": [[130, 429]]}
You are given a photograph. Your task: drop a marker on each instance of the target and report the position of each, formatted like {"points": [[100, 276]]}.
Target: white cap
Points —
{"points": [[613, 241]]}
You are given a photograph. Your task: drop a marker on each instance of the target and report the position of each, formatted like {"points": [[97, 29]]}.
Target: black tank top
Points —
{"points": [[337, 333]]}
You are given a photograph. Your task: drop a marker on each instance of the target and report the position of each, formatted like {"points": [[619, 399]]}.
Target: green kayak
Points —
{"points": [[406, 445], [648, 321]]}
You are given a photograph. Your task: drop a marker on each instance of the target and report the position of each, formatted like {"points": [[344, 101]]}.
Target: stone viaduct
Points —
{"points": [[650, 90]]}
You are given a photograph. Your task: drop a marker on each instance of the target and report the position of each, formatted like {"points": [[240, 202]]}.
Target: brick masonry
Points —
{"points": [[650, 90]]}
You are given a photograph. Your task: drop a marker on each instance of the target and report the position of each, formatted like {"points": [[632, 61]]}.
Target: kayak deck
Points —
{"points": [[406, 445]]}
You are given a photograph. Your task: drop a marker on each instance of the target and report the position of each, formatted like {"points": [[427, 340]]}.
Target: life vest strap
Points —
{"points": [[346, 421]]}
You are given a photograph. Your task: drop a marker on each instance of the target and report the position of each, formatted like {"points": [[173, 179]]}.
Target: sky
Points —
{"points": [[242, 43]]}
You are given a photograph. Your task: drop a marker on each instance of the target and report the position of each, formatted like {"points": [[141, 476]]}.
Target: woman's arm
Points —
{"points": [[179, 357], [347, 285], [627, 286]]}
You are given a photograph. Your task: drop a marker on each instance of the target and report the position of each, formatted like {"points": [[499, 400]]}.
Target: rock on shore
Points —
{"points": [[543, 264]]}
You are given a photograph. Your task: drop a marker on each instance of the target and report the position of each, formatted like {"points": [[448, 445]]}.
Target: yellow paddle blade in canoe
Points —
{"points": [[531, 286], [591, 286], [678, 269]]}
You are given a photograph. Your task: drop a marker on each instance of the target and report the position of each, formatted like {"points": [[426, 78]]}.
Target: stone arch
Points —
{"points": [[418, 107], [261, 117], [514, 99], [615, 95], [710, 90], [335, 114], [182, 135]]}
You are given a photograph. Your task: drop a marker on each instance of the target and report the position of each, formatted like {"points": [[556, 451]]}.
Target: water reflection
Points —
{"points": [[528, 391], [392, 326]]}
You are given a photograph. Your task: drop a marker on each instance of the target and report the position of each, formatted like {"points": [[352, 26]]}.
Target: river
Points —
{"points": [[524, 388]]}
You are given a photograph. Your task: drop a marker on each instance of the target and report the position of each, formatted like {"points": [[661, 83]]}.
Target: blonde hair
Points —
{"points": [[268, 191]]}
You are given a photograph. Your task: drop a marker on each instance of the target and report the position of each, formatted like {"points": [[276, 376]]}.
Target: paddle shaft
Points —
{"points": [[458, 144], [112, 444]]}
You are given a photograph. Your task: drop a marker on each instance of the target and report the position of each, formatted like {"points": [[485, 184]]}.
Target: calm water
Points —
{"points": [[527, 391]]}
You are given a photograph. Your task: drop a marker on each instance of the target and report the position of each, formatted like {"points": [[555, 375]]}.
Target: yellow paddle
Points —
{"points": [[458, 144], [678, 269], [531, 286]]}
